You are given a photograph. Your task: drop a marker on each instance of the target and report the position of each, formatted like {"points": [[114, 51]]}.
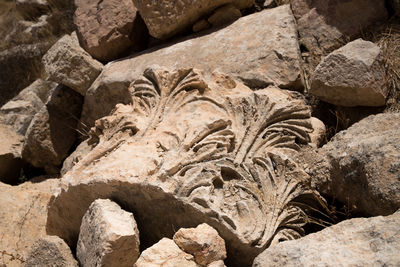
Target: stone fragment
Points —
{"points": [[20, 111], [353, 75], [23, 217], [105, 27], [52, 131], [355, 242], [195, 148], [79, 153], [68, 64], [201, 25], [325, 25], [108, 236], [165, 253], [50, 251], [10, 154], [365, 165], [263, 54], [224, 15], [203, 242], [167, 18], [317, 136]]}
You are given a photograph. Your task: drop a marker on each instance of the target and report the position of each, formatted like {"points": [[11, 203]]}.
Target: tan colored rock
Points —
{"points": [[196, 148], [79, 153], [10, 154], [318, 134], [165, 254], [68, 64], [203, 242], [217, 264], [224, 15], [105, 28], [52, 133], [108, 236], [353, 75], [167, 18], [325, 25], [263, 54], [20, 111], [356, 242], [50, 251], [23, 216]]}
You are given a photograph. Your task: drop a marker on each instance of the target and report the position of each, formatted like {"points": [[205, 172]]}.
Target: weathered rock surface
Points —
{"points": [[167, 18], [224, 15], [263, 54], [108, 236], [203, 242], [105, 28], [365, 165], [165, 253], [50, 251], [23, 216], [79, 153], [52, 131], [353, 75], [317, 136], [68, 64], [20, 111], [195, 148], [10, 154], [31, 9], [356, 242], [324, 25]]}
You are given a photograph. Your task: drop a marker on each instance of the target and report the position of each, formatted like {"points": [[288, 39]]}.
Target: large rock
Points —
{"points": [[356, 242], [263, 54], [10, 154], [106, 29], [353, 75], [50, 251], [203, 242], [165, 253], [167, 18], [364, 172], [196, 148], [68, 64], [325, 25], [108, 236], [23, 216], [52, 131], [20, 111]]}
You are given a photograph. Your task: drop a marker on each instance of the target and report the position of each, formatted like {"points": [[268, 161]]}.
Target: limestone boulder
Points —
{"points": [[68, 64], [107, 29], [356, 242], [165, 253], [10, 154], [50, 251], [52, 132], [353, 75], [20, 111], [108, 236], [364, 171], [325, 25], [165, 19], [265, 53], [23, 217], [203, 242]]}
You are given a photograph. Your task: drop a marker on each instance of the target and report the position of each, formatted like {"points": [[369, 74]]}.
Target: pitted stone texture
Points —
{"points": [[196, 148], [10, 154], [20, 111], [325, 25], [105, 27], [68, 64], [23, 216], [52, 131], [165, 254], [353, 75], [108, 236], [263, 54], [365, 165], [166, 18], [356, 242], [50, 251], [203, 242]]}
